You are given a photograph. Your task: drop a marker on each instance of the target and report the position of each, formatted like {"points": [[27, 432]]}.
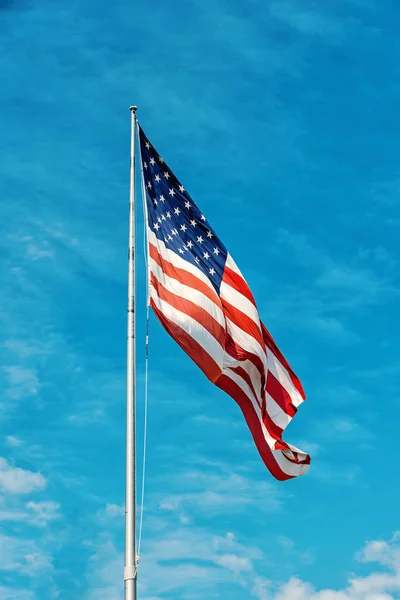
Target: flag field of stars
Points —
{"points": [[176, 220]]}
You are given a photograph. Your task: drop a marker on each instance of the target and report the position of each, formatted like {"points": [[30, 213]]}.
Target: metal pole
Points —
{"points": [[130, 574]]}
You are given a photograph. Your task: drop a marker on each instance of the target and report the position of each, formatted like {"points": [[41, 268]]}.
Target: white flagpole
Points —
{"points": [[130, 569]]}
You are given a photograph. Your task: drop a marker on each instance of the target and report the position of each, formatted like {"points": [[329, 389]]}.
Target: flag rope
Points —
{"points": [[146, 402], [146, 378]]}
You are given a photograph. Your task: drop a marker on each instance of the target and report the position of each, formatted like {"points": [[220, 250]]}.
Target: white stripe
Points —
{"points": [[250, 344], [240, 302], [291, 468], [288, 467], [248, 366], [245, 388], [230, 263], [191, 327], [275, 412], [178, 261], [188, 293], [281, 374], [246, 341], [274, 364]]}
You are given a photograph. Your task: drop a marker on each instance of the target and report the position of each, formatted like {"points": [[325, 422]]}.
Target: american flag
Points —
{"points": [[203, 301]]}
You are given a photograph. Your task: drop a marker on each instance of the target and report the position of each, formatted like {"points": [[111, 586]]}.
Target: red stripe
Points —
{"points": [[230, 387], [244, 322], [183, 276], [237, 352], [189, 345], [246, 377], [276, 390], [191, 309], [238, 283], [271, 344], [273, 386], [274, 430]]}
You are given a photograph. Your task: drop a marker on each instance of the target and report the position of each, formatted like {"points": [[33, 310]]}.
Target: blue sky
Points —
{"points": [[281, 119]]}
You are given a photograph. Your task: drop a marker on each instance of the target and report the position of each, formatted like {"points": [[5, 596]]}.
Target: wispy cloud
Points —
{"points": [[382, 584], [22, 382], [336, 474], [15, 480], [194, 559], [330, 291], [16, 553], [307, 19], [212, 492]]}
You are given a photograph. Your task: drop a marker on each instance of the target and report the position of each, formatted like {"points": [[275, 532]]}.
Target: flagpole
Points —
{"points": [[130, 572]]}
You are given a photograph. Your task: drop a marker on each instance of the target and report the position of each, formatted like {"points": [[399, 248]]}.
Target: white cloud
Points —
{"points": [[385, 553], [234, 563], [115, 510], [332, 289], [211, 491], [192, 559], [36, 252], [13, 441], [32, 513], [178, 560], [8, 593], [23, 556], [43, 512], [106, 568], [27, 349], [379, 585], [22, 381], [14, 480]]}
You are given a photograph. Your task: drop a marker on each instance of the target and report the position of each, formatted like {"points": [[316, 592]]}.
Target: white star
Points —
{"points": [[163, 217], [209, 234], [159, 219], [200, 239], [180, 250], [156, 226], [216, 251], [189, 244], [206, 255], [197, 259], [166, 175], [155, 201], [145, 165], [157, 177], [187, 205], [168, 215], [193, 222], [177, 211], [183, 227], [160, 159], [162, 198], [169, 237], [172, 192], [147, 145], [149, 185], [203, 218], [152, 161], [212, 271], [174, 232], [181, 188]]}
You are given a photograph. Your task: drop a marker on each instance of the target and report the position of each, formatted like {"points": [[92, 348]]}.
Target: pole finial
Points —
{"points": [[133, 109]]}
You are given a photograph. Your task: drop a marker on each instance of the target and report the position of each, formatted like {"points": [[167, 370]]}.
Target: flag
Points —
{"points": [[203, 301]]}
